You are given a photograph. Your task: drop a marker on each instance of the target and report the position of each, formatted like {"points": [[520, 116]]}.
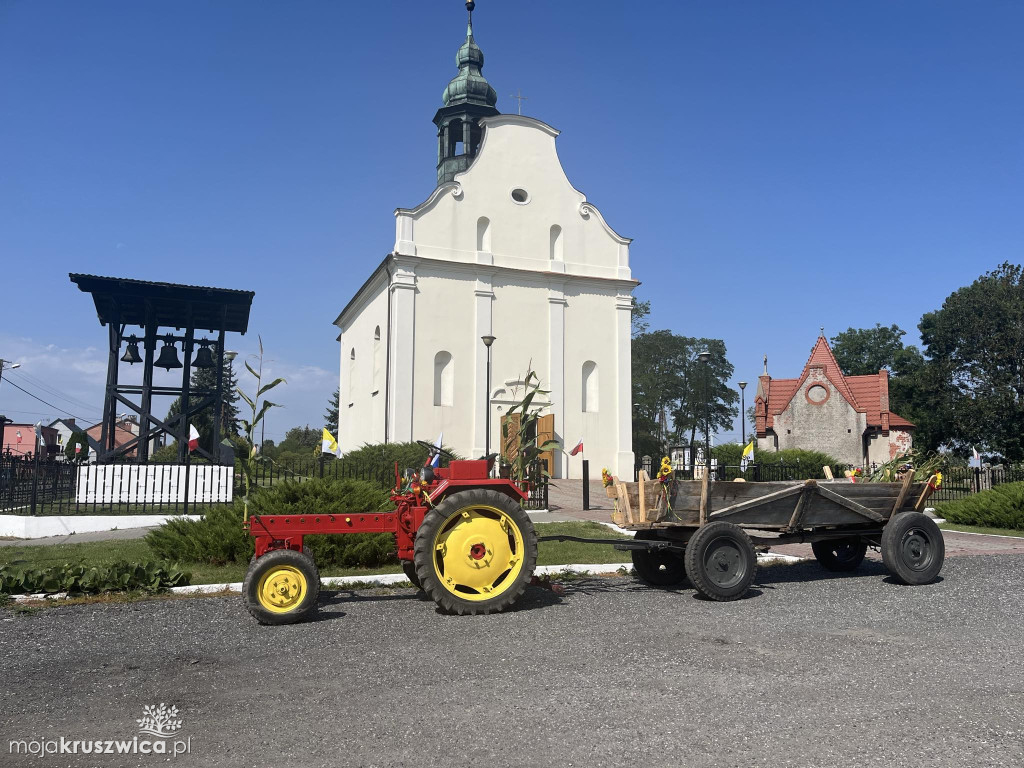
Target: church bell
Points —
{"points": [[131, 352], [168, 355], [204, 357]]}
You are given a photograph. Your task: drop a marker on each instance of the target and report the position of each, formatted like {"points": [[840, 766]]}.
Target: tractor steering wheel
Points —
{"points": [[445, 454]]}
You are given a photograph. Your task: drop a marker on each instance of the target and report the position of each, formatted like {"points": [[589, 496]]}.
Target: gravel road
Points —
{"points": [[810, 670]]}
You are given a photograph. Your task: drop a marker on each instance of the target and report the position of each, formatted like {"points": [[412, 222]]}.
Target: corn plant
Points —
{"points": [[253, 458], [522, 432]]}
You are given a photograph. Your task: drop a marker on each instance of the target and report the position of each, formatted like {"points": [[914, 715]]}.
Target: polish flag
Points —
{"points": [[193, 437], [578, 448]]}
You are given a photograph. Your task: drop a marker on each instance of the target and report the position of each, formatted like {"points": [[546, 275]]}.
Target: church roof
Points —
{"points": [[867, 394], [469, 86]]}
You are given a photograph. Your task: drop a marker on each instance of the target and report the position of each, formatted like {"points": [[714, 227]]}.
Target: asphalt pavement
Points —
{"points": [[810, 670]]}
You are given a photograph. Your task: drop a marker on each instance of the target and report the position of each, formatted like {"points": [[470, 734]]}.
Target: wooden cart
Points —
{"points": [[707, 530]]}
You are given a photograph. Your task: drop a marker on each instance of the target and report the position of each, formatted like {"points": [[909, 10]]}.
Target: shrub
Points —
{"points": [[380, 455], [998, 507], [82, 580], [219, 537], [800, 464]]}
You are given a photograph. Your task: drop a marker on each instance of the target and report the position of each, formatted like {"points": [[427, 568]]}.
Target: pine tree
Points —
{"points": [[331, 417], [205, 380]]}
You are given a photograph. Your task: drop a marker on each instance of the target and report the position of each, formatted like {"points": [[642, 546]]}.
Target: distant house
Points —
{"points": [[20, 439], [125, 429], [847, 417]]}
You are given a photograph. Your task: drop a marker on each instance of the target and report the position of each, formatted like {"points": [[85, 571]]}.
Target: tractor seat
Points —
{"points": [[488, 457]]}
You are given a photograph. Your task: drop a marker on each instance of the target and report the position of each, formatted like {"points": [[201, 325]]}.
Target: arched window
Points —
{"points": [[556, 243], [589, 389], [443, 378], [377, 359], [483, 234], [352, 376]]}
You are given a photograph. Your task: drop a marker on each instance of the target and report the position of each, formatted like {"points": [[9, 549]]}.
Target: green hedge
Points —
{"points": [[82, 580], [219, 537], [386, 454], [999, 507]]}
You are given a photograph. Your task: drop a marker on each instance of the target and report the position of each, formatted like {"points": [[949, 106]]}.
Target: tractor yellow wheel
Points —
{"points": [[281, 587], [476, 552]]}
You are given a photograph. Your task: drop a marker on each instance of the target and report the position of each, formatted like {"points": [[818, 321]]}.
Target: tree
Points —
{"points": [[866, 351], [975, 373], [668, 390], [300, 441], [638, 316], [331, 417], [205, 380]]}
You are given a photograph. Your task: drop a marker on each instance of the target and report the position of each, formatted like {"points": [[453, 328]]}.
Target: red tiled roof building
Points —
{"points": [[847, 417]]}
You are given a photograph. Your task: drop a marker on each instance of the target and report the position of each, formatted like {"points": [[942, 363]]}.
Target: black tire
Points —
{"points": [[913, 548], [472, 543], [298, 596], [840, 555], [720, 561], [409, 567], [659, 568]]}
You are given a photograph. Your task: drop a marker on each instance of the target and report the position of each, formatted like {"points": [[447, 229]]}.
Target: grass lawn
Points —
{"points": [[107, 552], [979, 529]]}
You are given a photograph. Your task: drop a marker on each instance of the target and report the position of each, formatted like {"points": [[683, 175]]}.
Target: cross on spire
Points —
{"points": [[518, 96]]}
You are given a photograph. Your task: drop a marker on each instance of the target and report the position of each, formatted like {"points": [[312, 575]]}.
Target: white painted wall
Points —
{"points": [[547, 277]]}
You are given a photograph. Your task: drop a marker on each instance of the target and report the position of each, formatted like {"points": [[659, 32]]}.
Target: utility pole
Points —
{"points": [[3, 419]]}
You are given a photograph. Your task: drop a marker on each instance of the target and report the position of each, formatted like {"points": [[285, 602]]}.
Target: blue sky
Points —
{"points": [[780, 165]]}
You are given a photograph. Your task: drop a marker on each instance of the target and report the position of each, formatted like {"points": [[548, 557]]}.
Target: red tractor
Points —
{"points": [[462, 537]]}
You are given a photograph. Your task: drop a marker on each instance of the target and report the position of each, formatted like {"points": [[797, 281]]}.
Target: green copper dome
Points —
{"points": [[469, 86]]}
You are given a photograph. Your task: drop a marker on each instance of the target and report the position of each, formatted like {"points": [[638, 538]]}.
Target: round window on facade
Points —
{"points": [[817, 394], [520, 196]]}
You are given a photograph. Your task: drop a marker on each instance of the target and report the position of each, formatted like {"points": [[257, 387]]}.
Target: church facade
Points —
{"points": [[505, 246], [847, 417]]}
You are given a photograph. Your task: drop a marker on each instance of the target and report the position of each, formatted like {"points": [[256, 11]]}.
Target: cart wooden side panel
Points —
{"points": [[779, 505]]}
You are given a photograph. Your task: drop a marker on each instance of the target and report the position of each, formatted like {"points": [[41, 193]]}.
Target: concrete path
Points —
{"points": [[80, 538]]}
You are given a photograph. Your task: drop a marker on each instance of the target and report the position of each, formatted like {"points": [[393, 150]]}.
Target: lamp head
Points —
{"points": [[704, 356], [743, 385], [487, 340]]}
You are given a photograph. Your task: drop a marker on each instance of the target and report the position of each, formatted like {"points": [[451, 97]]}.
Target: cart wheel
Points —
{"points": [[913, 548], [840, 555], [659, 568], [281, 587], [409, 567], [720, 561], [475, 552]]}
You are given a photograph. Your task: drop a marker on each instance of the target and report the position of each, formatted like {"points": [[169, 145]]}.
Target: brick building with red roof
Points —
{"points": [[847, 417]]}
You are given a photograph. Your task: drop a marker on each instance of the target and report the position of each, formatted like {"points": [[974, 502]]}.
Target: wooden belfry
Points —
{"points": [[120, 303]]}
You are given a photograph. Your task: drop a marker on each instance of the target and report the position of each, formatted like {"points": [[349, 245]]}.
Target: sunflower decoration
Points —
{"points": [[665, 471], [606, 477]]}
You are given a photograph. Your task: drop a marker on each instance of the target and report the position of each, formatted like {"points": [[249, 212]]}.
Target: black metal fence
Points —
{"points": [[38, 487]]}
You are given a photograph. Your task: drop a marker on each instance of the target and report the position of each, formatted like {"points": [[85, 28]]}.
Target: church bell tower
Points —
{"points": [[467, 98]]}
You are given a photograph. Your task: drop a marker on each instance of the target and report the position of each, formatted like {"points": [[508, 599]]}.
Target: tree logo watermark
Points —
{"points": [[159, 720]]}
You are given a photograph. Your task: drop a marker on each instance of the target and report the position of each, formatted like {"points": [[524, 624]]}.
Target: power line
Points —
{"points": [[33, 381], [44, 402]]}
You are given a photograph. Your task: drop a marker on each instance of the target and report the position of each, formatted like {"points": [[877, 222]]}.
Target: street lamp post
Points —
{"points": [[12, 366], [487, 340], [743, 415], [705, 358]]}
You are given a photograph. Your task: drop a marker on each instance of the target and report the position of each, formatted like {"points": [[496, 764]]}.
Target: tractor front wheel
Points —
{"points": [[475, 552], [281, 587]]}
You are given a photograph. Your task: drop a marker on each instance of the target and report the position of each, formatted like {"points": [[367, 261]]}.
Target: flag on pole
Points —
{"points": [[40, 440], [975, 457], [747, 457], [328, 444], [578, 448], [193, 437], [437, 456]]}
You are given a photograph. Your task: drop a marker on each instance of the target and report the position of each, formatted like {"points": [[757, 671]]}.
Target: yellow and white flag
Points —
{"points": [[329, 444], [747, 457]]}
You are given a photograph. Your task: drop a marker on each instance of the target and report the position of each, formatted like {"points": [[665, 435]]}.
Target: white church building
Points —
{"points": [[505, 246]]}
